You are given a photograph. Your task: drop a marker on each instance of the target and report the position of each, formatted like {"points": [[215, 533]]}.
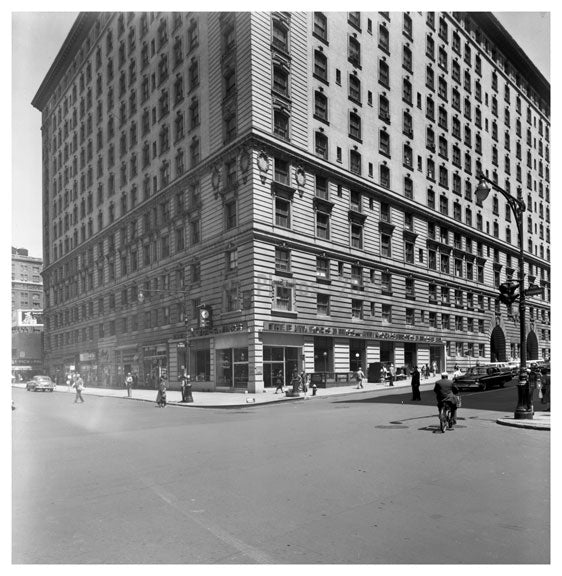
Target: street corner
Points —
{"points": [[540, 421]]}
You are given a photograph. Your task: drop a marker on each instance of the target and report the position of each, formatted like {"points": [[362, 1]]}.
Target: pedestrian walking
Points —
{"points": [[278, 381], [161, 396], [304, 380], [296, 382], [78, 385], [359, 377], [423, 372], [416, 384], [434, 367], [391, 375], [129, 385]]}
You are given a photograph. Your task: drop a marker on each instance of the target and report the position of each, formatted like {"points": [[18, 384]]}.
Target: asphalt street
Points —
{"points": [[361, 479]]}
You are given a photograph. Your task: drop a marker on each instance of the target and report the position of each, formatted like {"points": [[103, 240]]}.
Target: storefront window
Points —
{"points": [[279, 360], [232, 367]]}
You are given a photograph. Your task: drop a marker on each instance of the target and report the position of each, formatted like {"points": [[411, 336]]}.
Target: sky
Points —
{"points": [[36, 40]]}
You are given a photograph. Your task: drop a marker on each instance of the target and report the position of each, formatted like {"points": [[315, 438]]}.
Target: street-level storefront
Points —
{"points": [[340, 351], [155, 364], [87, 367]]}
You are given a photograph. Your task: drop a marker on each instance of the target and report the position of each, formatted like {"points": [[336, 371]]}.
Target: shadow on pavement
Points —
{"points": [[496, 399]]}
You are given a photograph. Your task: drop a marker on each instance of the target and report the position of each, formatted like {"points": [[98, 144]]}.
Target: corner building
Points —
{"points": [[289, 190]]}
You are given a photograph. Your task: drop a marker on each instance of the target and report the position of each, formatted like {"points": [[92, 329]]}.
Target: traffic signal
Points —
{"points": [[508, 293], [205, 317]]}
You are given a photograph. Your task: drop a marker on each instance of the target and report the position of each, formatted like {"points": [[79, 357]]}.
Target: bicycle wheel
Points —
{"points": [[442, 419], [449, 418]]}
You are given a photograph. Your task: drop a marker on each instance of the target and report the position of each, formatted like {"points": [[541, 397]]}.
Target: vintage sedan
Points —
{"points": [[482, 377], [38, 383]]}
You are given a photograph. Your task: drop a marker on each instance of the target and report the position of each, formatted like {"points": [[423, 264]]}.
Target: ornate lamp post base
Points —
{"points": [[524, 409]]}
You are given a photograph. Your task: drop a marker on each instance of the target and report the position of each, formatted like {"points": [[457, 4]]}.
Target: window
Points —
{"points": [[281, 171], [283, 297], [320, 106], [357, 309], [282, 212], [231, 260], [384, 41], [386, 245], [386, 313], [354, 51], [322, 268], [354, 88], [410, 316], [323, 304], [230, 215], [280, 36], [355, 162], [356, 275], [384, 142], [281, 124], [322, 225], [320, 66], [407, 58], [321, 145], [444, 263], [322, 187], [356, 236], [282, 260], [409, 252], [384, 175], [354, 126], [320, 25], [280, 80], [384, 74]]}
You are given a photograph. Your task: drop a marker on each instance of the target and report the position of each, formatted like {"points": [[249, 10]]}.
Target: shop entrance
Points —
{"points": [[410, 355], [322, 354], [387, 352], [436, 363], [356, 355]]}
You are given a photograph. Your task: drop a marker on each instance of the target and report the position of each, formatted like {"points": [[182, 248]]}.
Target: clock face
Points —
{"points": [[204, 313]]}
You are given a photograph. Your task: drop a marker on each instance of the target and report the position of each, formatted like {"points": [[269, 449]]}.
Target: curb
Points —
{"points": [[525, 424]]}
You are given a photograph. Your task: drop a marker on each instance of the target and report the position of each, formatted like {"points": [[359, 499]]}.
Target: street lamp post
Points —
{"points": [[524, 409]]}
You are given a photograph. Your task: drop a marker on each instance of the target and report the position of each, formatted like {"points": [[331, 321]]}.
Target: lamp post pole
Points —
{"points": [[524, 408]]}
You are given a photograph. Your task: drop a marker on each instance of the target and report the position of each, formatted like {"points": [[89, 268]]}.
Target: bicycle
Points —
{"points": [[445, 417]]}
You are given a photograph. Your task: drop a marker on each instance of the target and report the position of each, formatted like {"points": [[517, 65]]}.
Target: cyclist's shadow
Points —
{"points": [[434, 428]]}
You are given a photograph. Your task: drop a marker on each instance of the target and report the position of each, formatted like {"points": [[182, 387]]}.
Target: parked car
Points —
{"points": [[42, 383], [483, 377]]}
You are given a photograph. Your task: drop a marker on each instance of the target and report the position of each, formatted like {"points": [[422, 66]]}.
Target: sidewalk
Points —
{"points": [[541, 420], [235, 399]]}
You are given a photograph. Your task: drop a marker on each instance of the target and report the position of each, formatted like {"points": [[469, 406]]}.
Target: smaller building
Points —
{"points": [[27, 315]]}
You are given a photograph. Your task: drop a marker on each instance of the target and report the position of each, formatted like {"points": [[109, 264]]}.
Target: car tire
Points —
{"points": [[482, 387]]}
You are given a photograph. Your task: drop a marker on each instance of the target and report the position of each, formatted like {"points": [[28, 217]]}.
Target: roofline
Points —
{"points": [[84, 21], [505, 42]]}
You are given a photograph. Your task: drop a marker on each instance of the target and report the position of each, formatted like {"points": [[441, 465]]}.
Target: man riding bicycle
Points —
{"points": [[445, 392]]}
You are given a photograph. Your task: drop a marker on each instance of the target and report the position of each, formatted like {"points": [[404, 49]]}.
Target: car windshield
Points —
{"points": [[476, 371]]}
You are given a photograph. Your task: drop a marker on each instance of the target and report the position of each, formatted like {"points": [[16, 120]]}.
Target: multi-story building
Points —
{"points": [[240, 193], [27, 314]]}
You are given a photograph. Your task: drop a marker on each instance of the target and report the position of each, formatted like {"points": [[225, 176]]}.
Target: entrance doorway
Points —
{"points": [[532, 346], [356, 354], [497, 345], [410, 356]]}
